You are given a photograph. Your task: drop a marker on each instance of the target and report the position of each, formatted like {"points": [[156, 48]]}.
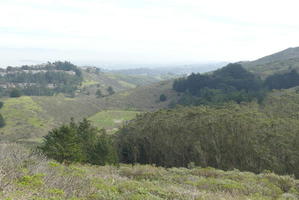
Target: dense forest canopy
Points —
{"points": [[230, 83], [225, 137], [283, 81]]}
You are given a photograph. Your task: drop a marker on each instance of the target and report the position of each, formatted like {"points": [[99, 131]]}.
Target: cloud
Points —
{"points": [[148, 30]]}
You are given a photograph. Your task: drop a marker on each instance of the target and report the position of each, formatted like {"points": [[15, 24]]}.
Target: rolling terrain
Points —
{"points": [[24, 175], [28, 118]]}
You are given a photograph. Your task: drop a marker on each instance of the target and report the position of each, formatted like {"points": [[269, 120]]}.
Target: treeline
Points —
{"points": [[240, 136], [2, 121], [283, 81], [57, 65], [226, 137], [230, 83], [46, 81]]}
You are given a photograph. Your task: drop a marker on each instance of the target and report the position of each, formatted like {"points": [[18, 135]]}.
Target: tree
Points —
{"points": [[99, 93], [15, 93], [1, 104], [163, 97], [2, 122], [63, 144], [110, 90], [79, 142], [230, 83]]}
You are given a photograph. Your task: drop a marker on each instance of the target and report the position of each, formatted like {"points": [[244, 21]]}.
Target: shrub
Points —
{"points": [[15, 93], [110, 90], [163, 97]]}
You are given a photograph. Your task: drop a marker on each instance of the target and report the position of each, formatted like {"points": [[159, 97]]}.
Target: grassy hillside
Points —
{"points": [[275, 63], [29, 118], [144, 98], [26, 176], [25, 119], [119, 82]]}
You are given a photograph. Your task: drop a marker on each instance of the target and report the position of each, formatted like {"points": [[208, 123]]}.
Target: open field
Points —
{"points": [[24, 176], [112, 119]]}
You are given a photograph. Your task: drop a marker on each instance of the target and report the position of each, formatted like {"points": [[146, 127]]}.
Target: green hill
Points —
{"points": [[275, 63]]}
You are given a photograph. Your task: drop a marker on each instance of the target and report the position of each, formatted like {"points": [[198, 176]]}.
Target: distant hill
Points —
{"points": [[41, 80], [166, 71], [276, 63]]}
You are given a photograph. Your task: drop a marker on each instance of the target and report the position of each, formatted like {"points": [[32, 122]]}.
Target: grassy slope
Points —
{"points": [[118, 81], [111, 119], [24, 119], [25, 176], [144, 98], [275, 63], [29, 118]]}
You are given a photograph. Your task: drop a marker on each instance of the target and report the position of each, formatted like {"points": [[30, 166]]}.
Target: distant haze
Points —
{"points": [[144, 32]]}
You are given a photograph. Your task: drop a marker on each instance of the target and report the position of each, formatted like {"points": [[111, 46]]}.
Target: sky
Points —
{"points": [[109, 32]]}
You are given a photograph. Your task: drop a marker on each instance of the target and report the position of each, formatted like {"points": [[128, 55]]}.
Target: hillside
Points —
{"points": [[29, 118], [95, 79], [275, 63], [144, 98], [27, 176]]}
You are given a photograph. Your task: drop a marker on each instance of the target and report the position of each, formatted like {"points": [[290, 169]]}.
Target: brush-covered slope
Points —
{"points": [[275, 63], [27, 176]]}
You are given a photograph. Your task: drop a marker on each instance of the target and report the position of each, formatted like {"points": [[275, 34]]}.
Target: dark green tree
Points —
{"points": [[63, 144], [163, 97], [79, 142], [2, 121], [110, 90], [15, 93]]}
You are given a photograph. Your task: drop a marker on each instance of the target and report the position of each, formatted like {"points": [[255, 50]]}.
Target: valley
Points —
{"points": [[231, 133]]}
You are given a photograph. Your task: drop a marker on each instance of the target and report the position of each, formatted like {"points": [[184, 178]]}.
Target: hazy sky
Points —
{"points": [[144, 31]]}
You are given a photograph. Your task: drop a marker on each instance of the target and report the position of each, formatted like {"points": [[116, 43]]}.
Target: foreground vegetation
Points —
{"points": [[24, 175]]}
